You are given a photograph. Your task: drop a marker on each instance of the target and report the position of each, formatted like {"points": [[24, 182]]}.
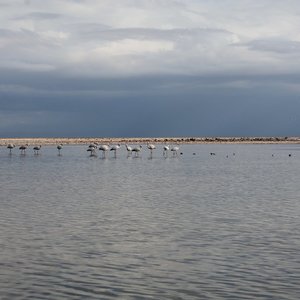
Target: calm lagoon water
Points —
{"points": [[190, 227]]}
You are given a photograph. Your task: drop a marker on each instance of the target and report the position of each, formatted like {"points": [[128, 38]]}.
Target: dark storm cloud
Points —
{"points": [[148, 106], [204, 111]]}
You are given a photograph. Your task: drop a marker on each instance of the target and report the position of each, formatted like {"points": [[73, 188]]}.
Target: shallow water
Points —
{"points": [[201, 226]]}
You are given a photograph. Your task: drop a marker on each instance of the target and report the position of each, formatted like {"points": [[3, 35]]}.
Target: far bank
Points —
{"points": [[157, 140]]}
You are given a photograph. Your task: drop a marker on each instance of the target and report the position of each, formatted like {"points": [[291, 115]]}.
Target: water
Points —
{"points": [[193, 227]]}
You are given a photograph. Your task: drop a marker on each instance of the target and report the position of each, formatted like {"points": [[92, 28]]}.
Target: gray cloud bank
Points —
{"points": [[149, 68]]}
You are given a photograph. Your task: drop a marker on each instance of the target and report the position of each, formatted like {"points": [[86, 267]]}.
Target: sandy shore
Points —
{"points": [[161, 140]]}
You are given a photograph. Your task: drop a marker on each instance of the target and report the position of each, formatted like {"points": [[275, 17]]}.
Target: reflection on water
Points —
{"points": [[196, 226]]}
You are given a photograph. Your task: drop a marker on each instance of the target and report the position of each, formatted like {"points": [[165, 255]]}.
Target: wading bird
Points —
{"points": [[23, 148], [10, 147], [129, 149], [151, 147], [115, 148], [59, 147], [175, 150], [166, 150], [36, 149], [137, 150], [92, 150], [104, 149]]}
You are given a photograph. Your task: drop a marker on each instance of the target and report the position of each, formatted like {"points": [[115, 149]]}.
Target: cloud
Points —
{"points": [[280, 46], [148, 37], [127, 47], [39, 16]]}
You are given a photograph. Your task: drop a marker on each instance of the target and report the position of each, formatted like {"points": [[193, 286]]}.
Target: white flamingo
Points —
{"points": [[137, 150], [175, 150], [129, 149], [151, 147], [104, 149], [166, 150], [10, 147], [36, 149], [115, 148]]}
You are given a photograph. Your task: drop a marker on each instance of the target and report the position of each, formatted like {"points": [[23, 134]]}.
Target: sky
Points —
{"points": [[138, 68]]}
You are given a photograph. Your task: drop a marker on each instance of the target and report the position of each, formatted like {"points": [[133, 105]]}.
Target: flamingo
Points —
{"points": [[104, 149], [92, 150], [166, 150], [175, 150], [23, 148], [129, 149], [115, 148], [10, 147], [151, 147], [36, 149], [59, 147], [137, 150]]}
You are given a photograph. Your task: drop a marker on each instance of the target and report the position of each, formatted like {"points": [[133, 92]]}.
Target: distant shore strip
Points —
{"points": [[160, 140]]}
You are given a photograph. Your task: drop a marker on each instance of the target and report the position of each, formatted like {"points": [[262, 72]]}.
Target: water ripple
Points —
{"points": [[194, 227]]}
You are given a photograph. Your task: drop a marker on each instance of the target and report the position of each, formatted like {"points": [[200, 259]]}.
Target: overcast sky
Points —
{"points": [[149, 68]]}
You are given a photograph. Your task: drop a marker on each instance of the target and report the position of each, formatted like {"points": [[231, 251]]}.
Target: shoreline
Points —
{"points": [[160, 140]]}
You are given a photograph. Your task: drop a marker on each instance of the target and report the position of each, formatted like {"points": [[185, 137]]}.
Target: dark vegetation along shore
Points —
{"points": [[160, 140]]}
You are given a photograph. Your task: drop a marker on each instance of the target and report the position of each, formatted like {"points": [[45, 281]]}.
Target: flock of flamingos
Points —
{"points": [[105, 148], [92, 148]]}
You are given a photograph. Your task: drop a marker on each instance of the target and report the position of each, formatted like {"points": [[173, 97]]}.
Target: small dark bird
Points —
{"points": [[10, 147], [59, 147], [23, 148], [36, 149]]}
